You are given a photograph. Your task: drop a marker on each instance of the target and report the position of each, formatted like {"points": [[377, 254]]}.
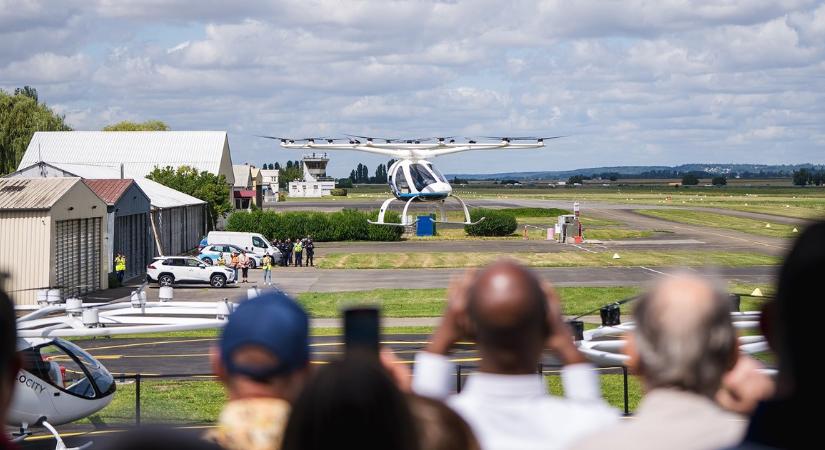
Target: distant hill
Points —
{"points": [[741, 170]]}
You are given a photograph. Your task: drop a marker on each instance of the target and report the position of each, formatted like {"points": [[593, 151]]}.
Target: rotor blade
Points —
{"points": [[275, 138]]}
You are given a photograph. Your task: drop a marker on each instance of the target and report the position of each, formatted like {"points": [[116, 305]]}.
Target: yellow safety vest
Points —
{"points": [[267, 262], [120, 264]]}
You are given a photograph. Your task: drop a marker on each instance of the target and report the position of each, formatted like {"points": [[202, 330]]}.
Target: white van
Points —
{"points": [[252, 242]]}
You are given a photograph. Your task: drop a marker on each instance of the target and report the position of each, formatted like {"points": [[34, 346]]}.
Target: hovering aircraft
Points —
{"points": [[59, 382], [412, 178]]}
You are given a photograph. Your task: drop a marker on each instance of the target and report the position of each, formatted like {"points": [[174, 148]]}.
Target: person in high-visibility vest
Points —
{"points": [[298, 250], [221, 260], [267, 266], [120, 267]]}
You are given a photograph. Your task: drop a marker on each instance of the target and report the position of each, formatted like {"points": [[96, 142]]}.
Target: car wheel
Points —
{"points": [[166, 280], [252, 263], [207, 261], [217, 280]]}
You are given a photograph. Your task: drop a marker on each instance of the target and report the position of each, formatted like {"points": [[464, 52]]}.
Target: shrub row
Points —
{"points": [[535, 212], [495, 223], [346, 225], [338, 192]]}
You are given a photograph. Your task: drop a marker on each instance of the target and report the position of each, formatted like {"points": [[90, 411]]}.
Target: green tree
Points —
{"points": [[204, 185], [20, 116], [801, 177], [149, 125], [719, 181], [690, 179]]}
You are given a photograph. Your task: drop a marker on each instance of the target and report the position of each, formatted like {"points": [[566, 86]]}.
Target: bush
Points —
{"points": [[719, 181], [534, 212], [690, 180], [346, 225], [340, 192], [496, 223]]}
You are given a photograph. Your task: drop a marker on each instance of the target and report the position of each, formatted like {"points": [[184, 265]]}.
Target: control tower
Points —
{"points": [[315, 182]]}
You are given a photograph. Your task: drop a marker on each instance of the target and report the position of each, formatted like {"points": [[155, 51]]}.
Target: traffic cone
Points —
{"points": [[616, 256], [795, 230], [767, 225], [756, 293]]}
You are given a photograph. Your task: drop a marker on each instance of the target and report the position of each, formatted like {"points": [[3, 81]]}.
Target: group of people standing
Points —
{"points": [[237, 261], [292, 252]]}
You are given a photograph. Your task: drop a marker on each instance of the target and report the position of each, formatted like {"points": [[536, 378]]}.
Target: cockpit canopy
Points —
{"points": [[68, 368], [409, 178]]}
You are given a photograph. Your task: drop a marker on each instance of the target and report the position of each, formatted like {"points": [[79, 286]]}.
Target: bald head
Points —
{"points": [[508, 312], [684, 336]]}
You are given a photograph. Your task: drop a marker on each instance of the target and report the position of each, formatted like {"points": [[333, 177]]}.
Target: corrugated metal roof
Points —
{"points": [[109, 191], [33, 193], [139, 151], [159, 195]]}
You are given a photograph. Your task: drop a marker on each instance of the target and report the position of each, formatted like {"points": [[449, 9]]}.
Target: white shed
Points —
{"points": [[52, 234]]}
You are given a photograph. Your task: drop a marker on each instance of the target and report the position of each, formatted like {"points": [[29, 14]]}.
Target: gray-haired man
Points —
{"points": [[682, 346]]}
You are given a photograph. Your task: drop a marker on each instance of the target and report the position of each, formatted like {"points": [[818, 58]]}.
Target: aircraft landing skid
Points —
{"points": [[385, 206]]}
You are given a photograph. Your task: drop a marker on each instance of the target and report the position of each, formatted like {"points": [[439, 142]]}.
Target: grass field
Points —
{"points": [[413, 260], [723, 221], [430, 302], [200, 402]]}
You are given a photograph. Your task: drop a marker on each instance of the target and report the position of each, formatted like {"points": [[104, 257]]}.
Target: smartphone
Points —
{"points": [[361, 330]]}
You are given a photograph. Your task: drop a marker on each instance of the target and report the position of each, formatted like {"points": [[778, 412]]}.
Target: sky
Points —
{"points": [[629, 82]]}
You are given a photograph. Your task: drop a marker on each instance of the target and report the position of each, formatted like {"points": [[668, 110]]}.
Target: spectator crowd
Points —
{"points": [[700, 391]]}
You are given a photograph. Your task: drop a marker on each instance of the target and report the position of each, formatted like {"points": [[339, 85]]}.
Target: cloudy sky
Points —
{"points": [[629, 81]]}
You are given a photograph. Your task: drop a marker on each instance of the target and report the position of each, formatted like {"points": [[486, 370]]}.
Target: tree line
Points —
{"points": [[805, 177], [21, 115]]}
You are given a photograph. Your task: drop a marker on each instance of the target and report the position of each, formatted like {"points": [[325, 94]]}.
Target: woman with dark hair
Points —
{"points": [[352, 403]]}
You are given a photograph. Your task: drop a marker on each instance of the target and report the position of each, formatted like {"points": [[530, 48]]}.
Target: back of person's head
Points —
{"points": [[788, 326], [508, 316], [9, 361], [683, 338], [264, 348], [160, 438], [439, 427], [351, 403]]}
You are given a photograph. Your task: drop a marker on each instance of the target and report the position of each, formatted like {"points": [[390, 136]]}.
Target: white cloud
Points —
{"points": [[632, 82]]}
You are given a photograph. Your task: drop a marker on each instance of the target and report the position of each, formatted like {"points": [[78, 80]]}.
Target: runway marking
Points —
{"points": [[656, 271], [140, 344], [582, 248], [102, 432]]}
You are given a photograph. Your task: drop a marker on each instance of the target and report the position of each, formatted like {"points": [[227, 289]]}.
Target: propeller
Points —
{"points": [[276, 138], [370, 139], [619, 302]]}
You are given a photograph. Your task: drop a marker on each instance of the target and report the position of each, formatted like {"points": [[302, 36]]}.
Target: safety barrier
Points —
{"points": [[460, 373]]}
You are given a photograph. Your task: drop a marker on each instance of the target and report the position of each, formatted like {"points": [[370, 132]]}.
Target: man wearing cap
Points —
{"points": [[262, 360]]}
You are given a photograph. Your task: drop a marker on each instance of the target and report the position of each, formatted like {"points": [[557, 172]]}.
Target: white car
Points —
{"points": [[170, 270]]}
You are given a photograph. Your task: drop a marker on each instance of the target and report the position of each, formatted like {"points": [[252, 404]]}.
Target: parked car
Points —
{"points": [[170, 270], [211, 253], [252, 242]]}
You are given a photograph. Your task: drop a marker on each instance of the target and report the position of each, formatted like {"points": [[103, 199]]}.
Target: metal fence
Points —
{"points": [[460, 373]]}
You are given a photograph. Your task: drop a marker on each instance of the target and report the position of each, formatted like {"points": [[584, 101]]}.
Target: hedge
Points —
{"points": [[338, 192], [534, 212], [495, 223], [346, 225]]}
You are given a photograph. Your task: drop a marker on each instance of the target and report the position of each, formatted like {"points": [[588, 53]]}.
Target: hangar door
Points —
{"points": [[77, 255], [132, 240]]}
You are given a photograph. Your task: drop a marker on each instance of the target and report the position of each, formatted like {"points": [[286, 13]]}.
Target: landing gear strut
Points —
{"points": [[385, 206]]}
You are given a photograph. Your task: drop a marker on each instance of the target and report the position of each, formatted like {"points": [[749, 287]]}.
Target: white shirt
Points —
{"points": [[516, 411]]}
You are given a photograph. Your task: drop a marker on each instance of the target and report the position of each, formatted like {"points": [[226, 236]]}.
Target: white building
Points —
{"points": [[315, 182], [135, 153], [269, 183]]}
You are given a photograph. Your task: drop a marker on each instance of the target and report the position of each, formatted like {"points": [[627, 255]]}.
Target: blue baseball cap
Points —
{"points": [[275, 322]]}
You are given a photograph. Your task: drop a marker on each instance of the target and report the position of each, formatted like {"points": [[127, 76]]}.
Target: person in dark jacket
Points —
{"points": [[309, 250]]}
